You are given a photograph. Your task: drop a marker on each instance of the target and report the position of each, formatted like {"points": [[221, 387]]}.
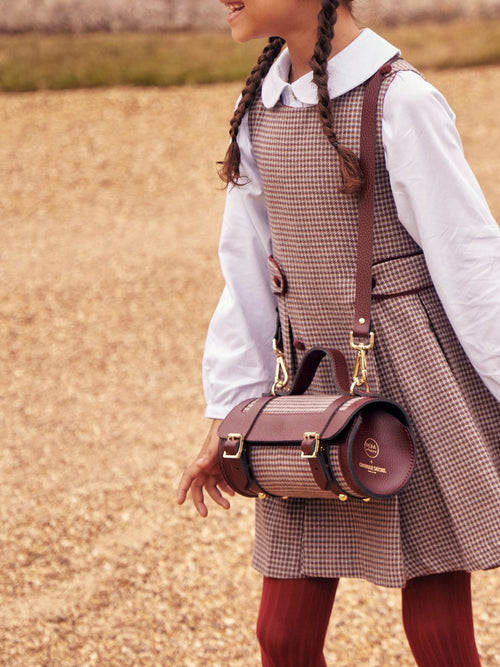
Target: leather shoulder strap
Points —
{"points": [[361, 323]]}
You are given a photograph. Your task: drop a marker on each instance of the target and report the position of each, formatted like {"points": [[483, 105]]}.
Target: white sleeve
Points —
{"points": [[238, 361], [441, 205]]}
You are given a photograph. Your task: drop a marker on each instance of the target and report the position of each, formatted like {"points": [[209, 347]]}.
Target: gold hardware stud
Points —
{"points": [[262, 495], [342, 497], [366, 500], [361, 320], [284, 497]]}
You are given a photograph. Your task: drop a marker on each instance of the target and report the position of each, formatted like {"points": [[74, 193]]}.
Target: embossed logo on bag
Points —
{"points": [[372, 450], [373, 470]]}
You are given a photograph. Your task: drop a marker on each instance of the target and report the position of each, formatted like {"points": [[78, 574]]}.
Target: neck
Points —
{"points": [[301, 45]]}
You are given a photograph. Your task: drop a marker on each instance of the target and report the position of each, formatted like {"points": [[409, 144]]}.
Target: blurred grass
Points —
{"points": [[38, 61], [33, 61]]}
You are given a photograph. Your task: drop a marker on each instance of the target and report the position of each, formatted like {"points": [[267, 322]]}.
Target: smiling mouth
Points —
{"points": [[234, 7]]}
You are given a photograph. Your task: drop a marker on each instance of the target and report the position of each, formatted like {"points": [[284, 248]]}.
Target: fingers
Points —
{"points": [[224, 486], [199, 467], [187, 479], [210, 486], [196, 479], [198, 498], [204, 473], [214, 493]]}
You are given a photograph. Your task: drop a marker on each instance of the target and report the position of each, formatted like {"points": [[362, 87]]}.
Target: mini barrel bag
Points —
{"points": [[350, 443]]}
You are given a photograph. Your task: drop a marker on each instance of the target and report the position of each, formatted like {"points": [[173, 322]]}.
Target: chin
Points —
{"points": [[241, 36]]}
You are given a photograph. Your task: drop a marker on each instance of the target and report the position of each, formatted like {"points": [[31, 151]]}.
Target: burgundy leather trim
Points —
{"points": [[242, 417], [309, 365]]}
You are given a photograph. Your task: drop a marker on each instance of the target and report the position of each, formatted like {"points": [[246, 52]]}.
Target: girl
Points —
{"points": [[294, 180]]}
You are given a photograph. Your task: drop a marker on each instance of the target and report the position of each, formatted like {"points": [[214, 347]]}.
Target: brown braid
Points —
{"points": [[229, 170], [352, 177]]}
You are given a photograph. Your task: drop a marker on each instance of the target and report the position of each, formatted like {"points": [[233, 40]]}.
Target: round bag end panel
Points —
{"points": [[381, 454]]}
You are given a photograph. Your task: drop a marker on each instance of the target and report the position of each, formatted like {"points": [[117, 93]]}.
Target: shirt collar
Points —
{"points": [[356, 63]]}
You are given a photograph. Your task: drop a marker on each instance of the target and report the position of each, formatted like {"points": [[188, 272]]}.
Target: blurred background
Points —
{"points": [[92, 15], [113, 115], [63, 44]]}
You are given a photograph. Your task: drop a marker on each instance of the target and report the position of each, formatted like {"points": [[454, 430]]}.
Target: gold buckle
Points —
{"points": [[311, 435], [234, 437], [281, 376], [360, 375]]}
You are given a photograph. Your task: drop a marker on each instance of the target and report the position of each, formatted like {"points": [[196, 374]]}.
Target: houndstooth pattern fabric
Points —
{"points": [[294, 472], [448, 517], [297, 404]]}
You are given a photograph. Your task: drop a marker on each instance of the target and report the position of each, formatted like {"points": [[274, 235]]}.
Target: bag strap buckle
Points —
{"points": [[236, 439], [307, 451]]}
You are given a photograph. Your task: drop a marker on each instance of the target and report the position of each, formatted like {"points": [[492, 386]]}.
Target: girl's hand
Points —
{"points": [[203, 473]]}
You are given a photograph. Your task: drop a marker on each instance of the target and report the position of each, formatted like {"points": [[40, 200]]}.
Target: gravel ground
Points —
{"points": [[110, 212]]}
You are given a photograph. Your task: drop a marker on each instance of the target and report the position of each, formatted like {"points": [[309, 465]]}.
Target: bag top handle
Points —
{"points": [[309, 365]]}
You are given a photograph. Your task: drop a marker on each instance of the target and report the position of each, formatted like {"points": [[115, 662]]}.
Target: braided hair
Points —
{"points": [[350, 170], [230, 168]]}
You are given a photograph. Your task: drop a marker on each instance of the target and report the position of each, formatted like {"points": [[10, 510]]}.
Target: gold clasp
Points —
{"points": [[234, 437], [360, 375], [281, 376], [311, 435]]}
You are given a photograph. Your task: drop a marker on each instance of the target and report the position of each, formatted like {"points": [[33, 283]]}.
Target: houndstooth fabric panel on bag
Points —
{"points": [[448, 517], [276, 481]]}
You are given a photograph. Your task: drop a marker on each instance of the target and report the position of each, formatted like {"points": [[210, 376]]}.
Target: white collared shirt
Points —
{"points": [[438, 201]]}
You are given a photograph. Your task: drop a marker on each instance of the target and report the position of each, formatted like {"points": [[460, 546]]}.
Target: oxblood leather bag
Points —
{"points": [[317, 446], [351, 443]]}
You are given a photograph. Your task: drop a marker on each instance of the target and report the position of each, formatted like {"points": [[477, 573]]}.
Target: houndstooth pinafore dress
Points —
{"points": [[448, 517]]}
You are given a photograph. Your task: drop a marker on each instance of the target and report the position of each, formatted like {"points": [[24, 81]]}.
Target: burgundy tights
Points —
{"points": [[437, 617]]}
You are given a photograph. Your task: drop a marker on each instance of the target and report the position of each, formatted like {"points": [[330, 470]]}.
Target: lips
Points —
{"points": [[234, 7]]}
